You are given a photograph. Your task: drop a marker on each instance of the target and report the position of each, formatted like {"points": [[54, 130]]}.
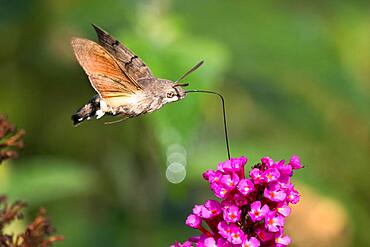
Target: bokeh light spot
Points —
{"points": [[175, 173]]}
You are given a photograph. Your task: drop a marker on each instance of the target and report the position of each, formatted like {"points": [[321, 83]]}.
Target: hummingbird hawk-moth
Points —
{"points": [[125, 85]]}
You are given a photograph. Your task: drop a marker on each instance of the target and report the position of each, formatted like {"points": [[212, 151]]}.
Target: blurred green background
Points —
{"points": [[295, 75]]}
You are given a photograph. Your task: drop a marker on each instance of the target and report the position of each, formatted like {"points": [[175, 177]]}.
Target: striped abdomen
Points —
{"points": [[91, 109]]}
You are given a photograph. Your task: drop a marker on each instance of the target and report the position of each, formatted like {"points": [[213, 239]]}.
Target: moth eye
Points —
{"points": [[170, 94]]}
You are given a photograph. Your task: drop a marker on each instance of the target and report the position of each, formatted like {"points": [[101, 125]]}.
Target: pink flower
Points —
{"points": [[210, 242], [257, 213], [256, 175], [193, 221], [295, 162], [232, 214], [208, 173], [257, 204], [274, 193], [236, 235], [293, 196], [245, 186], [267, 161], [284, 169], [234, 165], [273, 221], [197, 210], [282, 240], [252, 242], [284, 210], [230, 182], [223, 229], [231, 232], [271, 175], [211, 208], [220, 191], [284, 179], [238, 163], [212, 176], [225, 167]]}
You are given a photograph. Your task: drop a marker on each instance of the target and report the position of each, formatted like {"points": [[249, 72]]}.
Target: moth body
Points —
{"points": [[135, 106], [125, 85]]}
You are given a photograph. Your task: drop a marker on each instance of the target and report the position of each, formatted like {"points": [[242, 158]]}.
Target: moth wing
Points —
{"points": [[105, 75], [112, 91], [128, 61]]}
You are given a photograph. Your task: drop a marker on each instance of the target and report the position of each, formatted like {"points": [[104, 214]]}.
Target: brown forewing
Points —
{"points": [[128, 61], [105, 75]]}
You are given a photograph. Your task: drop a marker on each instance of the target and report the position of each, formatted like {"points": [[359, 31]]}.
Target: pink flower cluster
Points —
{"points": [[252, 210]]}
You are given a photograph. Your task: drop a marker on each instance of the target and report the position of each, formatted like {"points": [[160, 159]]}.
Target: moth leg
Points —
{"points": [[117, 121]]}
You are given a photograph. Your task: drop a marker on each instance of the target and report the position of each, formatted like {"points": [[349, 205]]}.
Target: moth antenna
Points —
{"points": [[190, 71], [223, 112], [116, 121], [180, 85]]}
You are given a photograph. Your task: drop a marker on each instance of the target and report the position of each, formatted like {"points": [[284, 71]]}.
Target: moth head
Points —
{"points": [[173, 92]]}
